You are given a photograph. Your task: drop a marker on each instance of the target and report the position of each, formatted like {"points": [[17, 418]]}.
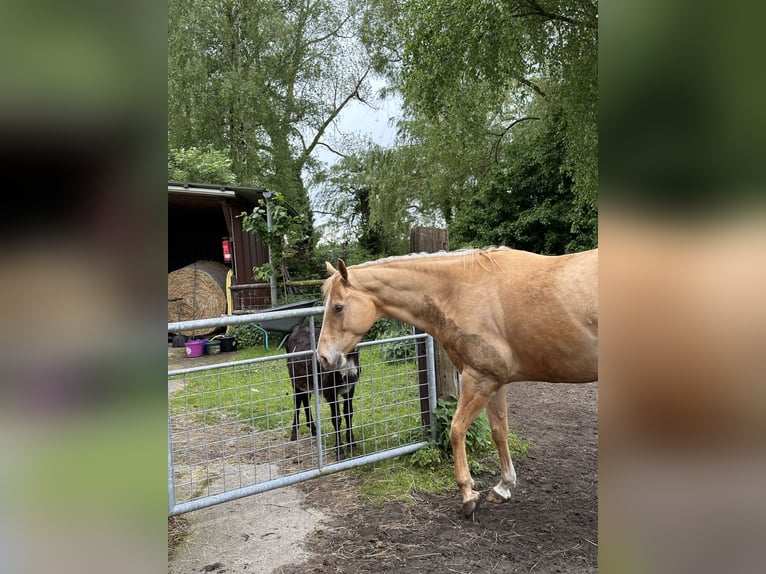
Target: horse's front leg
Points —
{"points": [[296, 413], [497, 412], [348, 414], [309, 420], [335, 415], [469, 406]]}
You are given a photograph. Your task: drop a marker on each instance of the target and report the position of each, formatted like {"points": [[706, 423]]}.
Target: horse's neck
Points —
{"points": [[408, 292]]}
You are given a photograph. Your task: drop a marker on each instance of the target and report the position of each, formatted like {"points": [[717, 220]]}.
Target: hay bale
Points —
{"points": [[201, 290]]}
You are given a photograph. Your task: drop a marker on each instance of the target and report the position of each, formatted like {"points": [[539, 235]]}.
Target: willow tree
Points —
{"points": [[472, 75], [263, 81]]}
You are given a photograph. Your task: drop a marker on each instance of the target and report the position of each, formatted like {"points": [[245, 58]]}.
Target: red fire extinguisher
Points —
{"points": [[226, 244]]}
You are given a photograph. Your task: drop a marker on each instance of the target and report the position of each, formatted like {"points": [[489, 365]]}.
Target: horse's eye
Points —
{"points": [[338, 308]]}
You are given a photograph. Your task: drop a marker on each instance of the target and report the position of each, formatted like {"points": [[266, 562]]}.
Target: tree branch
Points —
{"points": [[354, 94], [496, 146], [538, 10], [532, 86], [336, 152], [330, 34]]}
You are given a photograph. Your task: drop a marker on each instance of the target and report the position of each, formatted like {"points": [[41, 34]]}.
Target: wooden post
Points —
{"points": [[431, 240]]}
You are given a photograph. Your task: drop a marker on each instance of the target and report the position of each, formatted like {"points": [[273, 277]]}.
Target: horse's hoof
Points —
{"points": [[497, 498], [470, 506], [294, 436]]}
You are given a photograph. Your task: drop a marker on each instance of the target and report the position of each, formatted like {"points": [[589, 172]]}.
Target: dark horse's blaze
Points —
{"points": [[333, 384]]}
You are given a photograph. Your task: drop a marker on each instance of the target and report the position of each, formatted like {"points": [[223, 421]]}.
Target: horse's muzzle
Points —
{"points": [[332, 361]]}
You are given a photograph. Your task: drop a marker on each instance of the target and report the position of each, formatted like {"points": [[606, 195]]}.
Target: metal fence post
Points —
{"points": [[430, 354], [171, 478], [315, 382]]}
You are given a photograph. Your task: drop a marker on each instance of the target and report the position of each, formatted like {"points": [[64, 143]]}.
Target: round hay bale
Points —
{"points": [[197, 291]]}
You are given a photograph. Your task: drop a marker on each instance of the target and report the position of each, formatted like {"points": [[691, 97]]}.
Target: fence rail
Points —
{"points": [[229, 424]]}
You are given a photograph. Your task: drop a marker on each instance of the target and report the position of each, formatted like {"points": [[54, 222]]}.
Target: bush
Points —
{"points": [[246, 336], [398, 351]]}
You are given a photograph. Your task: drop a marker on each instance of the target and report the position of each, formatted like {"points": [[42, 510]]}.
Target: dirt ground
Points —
{"points": [[549, 526]]}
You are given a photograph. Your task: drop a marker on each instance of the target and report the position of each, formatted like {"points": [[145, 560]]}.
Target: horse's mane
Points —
{"points": [[473, 253], [469, 254]]}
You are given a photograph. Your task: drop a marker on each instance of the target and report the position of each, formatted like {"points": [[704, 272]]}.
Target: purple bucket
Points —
{"points": [[195, 348]]}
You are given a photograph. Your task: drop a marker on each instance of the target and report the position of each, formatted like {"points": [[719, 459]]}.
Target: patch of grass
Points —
{"points": [[398, 478], [259, 395]]}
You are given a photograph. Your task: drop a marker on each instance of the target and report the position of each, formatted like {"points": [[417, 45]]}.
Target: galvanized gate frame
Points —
{"points": [[321, 468]]}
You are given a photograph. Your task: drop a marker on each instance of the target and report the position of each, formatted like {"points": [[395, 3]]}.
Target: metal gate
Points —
{"points": [[229, 424]]}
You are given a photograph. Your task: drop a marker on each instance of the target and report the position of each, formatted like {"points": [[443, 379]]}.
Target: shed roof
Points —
{"points": [[203, 190]]}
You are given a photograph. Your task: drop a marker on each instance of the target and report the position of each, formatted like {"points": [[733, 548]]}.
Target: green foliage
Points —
{"points": [[396, 351], [246, 336], [200, 165], [429, 457], [263, 82], [475, 77], [385, 328], [363, 194], [286, 230], [351, 252], [528, 202], [455, 49]]}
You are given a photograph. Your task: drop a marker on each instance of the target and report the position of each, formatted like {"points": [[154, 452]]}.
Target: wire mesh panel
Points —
{"points": [[230, 424]]}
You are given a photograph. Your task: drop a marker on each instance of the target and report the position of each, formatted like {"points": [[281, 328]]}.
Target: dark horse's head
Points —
{"points": [[300, 340]]}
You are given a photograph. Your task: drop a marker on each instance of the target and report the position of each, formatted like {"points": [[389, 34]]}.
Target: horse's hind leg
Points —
{"points": [[469, 406], [497, 412]]}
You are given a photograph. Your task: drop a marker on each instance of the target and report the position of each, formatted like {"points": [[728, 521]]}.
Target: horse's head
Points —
{"points": [[348, 314]]}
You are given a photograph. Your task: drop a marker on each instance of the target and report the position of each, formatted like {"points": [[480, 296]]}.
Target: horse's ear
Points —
{"points": [[330, 269], [342, 269]]}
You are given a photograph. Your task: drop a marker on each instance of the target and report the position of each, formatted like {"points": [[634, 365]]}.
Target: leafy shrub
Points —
{"points": [[429, 456], [395, 352], [246, 335], [381, 327]]}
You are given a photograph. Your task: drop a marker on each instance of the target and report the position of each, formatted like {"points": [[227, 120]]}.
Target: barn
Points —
{"points": [[200, 218]]}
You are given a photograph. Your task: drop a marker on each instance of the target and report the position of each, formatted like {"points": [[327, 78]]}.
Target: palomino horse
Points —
{"points": [[502, 315]]}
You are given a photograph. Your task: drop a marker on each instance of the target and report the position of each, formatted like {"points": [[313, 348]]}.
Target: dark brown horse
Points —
{"points": [[336, 385], [502, 315]]}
